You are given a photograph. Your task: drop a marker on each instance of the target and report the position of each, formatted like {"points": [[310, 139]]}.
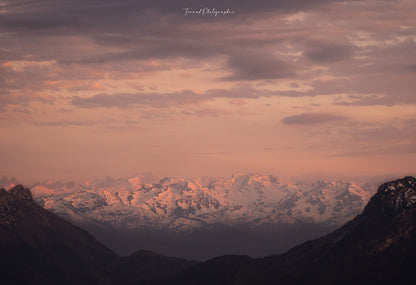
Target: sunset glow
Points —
{"points": [[94, 88]]}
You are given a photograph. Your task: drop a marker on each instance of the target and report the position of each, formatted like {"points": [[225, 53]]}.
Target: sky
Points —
{"points": [[207, 88]]}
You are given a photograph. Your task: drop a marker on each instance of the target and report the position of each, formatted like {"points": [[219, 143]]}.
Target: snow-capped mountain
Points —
{"points": [[183, 205]]}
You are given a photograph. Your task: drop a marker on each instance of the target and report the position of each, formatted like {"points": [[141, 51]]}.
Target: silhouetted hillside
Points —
{"points": [[38, 247], [147, 265]]}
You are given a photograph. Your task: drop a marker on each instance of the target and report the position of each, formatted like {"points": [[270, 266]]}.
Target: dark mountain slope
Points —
{"points": [[213, 271], [146, 265], [377, 247], [37, 246]]}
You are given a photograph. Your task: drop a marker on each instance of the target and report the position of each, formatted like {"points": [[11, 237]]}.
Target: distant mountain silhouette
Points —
{"points": [[214, 271], [376, 247], [147, 265]]}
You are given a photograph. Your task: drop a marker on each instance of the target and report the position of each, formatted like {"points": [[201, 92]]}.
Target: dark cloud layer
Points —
{"points": [[143, 29], [94, 39], [50, 14], [251, 66], [126, 100], [323, 51], [164, 100]]}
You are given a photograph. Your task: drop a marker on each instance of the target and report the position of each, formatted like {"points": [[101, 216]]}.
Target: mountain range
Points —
{"points": [[146, 212], [378, 246]]}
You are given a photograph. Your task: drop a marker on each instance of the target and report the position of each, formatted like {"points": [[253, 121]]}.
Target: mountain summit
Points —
{"points": [[393, 198]]}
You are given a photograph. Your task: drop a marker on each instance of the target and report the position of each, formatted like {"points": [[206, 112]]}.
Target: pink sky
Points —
{"points": [[94, 88]]}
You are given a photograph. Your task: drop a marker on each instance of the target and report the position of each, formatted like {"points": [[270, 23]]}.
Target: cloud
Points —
{"points": [[143, 29], [324, 51], [206, 112], [165, 100], [321, 87], [255, 66], [186, 97], [412, 67], [63, 123], [14, 98], [401, 133], [79, 14], [381, 139], [115, 40], [103, 123], [126, 100], [399, 148], [312, 119]]}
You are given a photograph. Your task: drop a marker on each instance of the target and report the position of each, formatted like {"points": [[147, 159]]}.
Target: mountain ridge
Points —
{"points": [[378, 246], [249, 199], [245, 212]]}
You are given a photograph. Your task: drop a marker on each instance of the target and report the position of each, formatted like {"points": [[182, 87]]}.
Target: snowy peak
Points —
{"points": [[186, 205], [249, 179], [393, 197]]}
